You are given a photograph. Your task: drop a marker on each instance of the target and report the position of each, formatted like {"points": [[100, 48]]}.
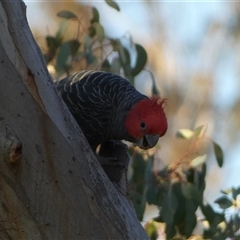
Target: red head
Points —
{"points": [[146, 121]]}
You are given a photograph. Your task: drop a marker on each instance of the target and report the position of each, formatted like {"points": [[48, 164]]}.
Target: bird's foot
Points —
{"points": [[110, 161], [114, 159]]}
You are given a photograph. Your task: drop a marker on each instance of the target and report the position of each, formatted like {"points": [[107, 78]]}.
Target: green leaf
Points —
{"points": [[115, 44], [190, 218], [190, 191], [67, 14], [99, 31], [66, 52], [169, 206], [141, 60], [218, 153], [156, 185], [112, 4], [87, 43], [212, 217], [106, 66], [62, 58], [125, 56], [148, 174], [152, 186], [227, 191], [224, 202], [61, 31], [152, 230], [158, 219], [154, 193], [74, 46], [52, 45], [90, 58], [198, 130], [154, 87], [170, 231], [185, 133], [208, 212], [235, 192], [137, 191], [139, 165], [200, 181], [125, 60], [198, 161], [115, 66], [139, 203], [95, 15], [91, 31], [189, 221], [197, 177]]}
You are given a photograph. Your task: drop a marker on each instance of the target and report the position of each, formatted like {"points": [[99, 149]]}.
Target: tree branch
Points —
{"points": [[56, 189]]}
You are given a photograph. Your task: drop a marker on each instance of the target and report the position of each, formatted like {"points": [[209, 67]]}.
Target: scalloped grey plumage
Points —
{"points": [[99, 101]]}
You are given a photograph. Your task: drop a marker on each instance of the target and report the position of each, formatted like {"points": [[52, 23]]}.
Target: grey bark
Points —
{"points": [[51, 185]]}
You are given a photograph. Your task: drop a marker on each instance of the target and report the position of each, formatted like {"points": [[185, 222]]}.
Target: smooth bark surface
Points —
{"points": [[51, 185]]}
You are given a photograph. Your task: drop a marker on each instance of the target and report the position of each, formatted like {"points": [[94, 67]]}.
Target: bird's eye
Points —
{"points": [[143, 126]]}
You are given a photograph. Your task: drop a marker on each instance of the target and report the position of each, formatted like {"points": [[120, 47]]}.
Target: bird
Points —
{"points": [[107, 107]]}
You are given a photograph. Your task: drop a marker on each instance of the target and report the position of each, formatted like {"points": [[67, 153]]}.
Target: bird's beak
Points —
{"points": [[148, 141]]}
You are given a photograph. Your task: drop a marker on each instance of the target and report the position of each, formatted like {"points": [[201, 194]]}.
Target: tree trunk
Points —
{"points": [[51, 185]]}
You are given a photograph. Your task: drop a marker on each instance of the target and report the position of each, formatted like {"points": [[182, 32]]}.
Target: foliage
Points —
{"points": [[91, 49], [178, 189]]}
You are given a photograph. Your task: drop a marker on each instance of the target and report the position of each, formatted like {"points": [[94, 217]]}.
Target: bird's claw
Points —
{"points": [[114, 159], [111, 162]]}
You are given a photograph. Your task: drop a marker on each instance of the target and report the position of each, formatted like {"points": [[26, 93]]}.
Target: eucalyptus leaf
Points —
{"points": [[226, 191], [115, 66], [139, 203], [141, 60], [185, 133], [95, 17], [154, 87], [61, 31], [65, 54], [218, 154], [125, 60], [139, 165], [224, 202], [235, 192], [123, 55], [114, 43], [138, 192], [52, 45], [90, 58], [63, 57], [198, 161], [99, 31], [106, 66], [198, 130], [67, 14], [152, 230], [190, 191], [208, 212], [112, 4], [189, 222], [87, 43], [169, 207]]}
